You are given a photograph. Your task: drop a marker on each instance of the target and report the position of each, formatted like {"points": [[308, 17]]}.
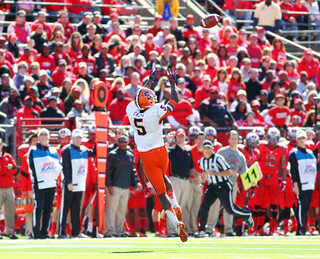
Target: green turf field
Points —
{"points": [[232, 247]]}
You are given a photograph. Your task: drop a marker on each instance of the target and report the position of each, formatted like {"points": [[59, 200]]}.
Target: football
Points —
{"points": [[210, 20]]}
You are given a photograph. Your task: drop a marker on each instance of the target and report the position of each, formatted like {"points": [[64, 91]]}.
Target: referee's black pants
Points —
{"points": [[223, 192], [43, 201], [70, 201], [304, 200]]}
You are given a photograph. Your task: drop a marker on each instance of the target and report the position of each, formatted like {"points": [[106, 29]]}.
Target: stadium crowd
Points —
{"points": [[225, 79]]}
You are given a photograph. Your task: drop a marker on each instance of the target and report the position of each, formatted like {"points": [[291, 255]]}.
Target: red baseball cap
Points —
{"points": [[190, 17], [158, 17], [255, 103], [27, 98], [2, 38], [213, 89], [103, 45], [308, 51], [260, 28], [113, 15], [76, 89], [180, 132]]}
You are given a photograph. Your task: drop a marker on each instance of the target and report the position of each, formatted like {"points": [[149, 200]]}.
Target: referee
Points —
{"points": [[219, 186]]}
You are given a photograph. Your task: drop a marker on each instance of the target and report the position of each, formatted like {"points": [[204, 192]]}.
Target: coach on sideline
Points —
{"points": [[45, 168], [75, 169], [8, 168], [304, 171]]}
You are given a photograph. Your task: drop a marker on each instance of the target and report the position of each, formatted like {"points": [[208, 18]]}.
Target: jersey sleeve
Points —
{"points": [[165, 109]]}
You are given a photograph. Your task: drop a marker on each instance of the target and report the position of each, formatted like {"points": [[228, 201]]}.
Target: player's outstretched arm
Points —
{"points": [[171, 73], [155, 68]]}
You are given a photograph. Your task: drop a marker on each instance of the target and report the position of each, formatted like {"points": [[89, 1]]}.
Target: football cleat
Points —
{"points": [[182, 232]]}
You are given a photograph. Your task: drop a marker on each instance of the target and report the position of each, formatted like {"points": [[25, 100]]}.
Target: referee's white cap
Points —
{"points": [[207, 143]]}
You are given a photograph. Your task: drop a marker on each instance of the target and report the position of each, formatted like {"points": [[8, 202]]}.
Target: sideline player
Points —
{"points": [[145, 116], [273, 160]]}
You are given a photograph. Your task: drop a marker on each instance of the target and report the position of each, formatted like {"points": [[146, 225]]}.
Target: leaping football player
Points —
{"points": [[146, 116]]}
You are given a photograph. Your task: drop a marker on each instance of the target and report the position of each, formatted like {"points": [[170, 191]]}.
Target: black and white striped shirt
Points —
{"points": [[216, 163]]}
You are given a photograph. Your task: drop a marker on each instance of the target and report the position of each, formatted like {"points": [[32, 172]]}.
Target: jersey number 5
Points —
{"points": [[140, 129]]}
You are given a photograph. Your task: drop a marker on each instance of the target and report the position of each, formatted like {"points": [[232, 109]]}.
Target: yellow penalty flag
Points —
{"points": [[252, 175]]}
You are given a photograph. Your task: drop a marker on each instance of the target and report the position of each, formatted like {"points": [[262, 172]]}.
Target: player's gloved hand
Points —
{"points": [[283, 186], [155, 68], [172, 75]]}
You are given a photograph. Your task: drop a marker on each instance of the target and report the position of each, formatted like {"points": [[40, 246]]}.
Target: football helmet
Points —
{"points": [[292, 133], [210, 131], [273, 136], [144, 98], [194, 130], [64, 136], [252, 140], [259, 131]]}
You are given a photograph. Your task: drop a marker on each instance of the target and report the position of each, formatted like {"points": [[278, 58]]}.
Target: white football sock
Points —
{"points": [[172, 217], [172, 198]]}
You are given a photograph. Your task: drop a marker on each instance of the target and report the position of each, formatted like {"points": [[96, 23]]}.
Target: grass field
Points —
{"points": [[232, 247]]}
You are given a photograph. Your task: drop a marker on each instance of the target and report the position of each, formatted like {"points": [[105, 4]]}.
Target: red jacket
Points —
{"points": [[6, 175], [309, 67], [56, 8]]}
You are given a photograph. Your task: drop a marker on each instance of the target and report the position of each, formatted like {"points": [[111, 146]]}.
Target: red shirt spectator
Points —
{"points": [[27, 112], [299, 7], [55, 8], [279, 115], [285, 7], [42, 20], [8, 168], [211, 71], [47, 63], [106, 10], [318, 77], [118, 107], [235, 84], [78, 9], [309, 64], [156, 27], [188, 30], [297, 110], [5, 62], [20, 27], [181, 112], [149, 45], [64, 20], [254, 51], [88, 59], [202, 92], [60, 73]]}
